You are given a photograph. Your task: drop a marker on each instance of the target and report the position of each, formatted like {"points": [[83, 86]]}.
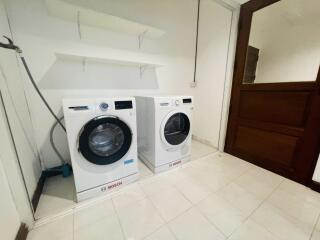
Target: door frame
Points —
{"points": [[244, 27]]}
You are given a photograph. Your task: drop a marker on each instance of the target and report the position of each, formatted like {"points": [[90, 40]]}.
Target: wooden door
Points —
{"points": [[273, 125]]}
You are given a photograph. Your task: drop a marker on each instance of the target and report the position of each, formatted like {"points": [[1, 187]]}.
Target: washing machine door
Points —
{"points": [[175, 129], [105, 140]]}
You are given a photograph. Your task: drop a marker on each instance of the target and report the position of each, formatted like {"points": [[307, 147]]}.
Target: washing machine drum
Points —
{"points": [[105, 140]]}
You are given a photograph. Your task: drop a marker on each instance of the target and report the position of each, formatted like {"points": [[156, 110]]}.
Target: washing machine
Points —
{"points": [[164, 130], [102, 138]]}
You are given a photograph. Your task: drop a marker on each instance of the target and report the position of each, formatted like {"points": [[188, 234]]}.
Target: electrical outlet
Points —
{"points": [[193, 84]]}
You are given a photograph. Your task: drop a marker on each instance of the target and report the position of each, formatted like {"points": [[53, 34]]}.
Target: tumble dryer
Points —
{"points": [[164, 131], [102, 140]]}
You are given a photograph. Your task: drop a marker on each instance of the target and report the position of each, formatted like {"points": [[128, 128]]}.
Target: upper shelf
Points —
{"points": [[71, 12]]}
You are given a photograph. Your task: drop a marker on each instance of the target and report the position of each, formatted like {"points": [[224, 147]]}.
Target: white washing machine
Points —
{"points": [[102, 139], [164, 131]]}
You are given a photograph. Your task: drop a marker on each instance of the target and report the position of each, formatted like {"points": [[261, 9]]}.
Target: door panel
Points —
{"points": [[287, 108], [275, 147]]}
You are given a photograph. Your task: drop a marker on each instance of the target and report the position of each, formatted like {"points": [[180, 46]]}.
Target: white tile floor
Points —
{"points": [[216, 196], [59, 193]]}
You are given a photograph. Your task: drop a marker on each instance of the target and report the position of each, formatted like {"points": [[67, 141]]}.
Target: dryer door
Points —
{"points": [[105, 140], [175, 129]]}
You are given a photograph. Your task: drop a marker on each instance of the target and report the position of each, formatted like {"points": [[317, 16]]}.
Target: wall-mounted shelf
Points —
{"points": [[75, 13], [83, 72], [109, 61]]}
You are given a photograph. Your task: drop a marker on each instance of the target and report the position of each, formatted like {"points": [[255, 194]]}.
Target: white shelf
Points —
{"points": [[71, 12], [72, 71], [111, 61]]}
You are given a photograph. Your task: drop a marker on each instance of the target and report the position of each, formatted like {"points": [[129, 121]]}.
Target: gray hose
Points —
{"points": [[63, 161]]}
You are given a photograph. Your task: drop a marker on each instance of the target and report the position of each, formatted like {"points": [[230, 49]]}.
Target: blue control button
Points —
{"points": [[104, 106]]}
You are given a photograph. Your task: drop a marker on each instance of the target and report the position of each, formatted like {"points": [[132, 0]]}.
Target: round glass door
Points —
{"points": [[105, 140], [177, 128]]}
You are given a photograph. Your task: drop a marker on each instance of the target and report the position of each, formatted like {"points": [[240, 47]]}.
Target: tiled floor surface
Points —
{"points": [[59, 193], [214, 197]]}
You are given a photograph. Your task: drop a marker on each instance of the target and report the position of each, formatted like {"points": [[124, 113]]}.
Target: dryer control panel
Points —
{"points": [[175, 102]]}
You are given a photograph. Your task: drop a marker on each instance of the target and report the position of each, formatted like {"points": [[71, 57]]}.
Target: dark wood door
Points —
{"points": [[273, 125]]}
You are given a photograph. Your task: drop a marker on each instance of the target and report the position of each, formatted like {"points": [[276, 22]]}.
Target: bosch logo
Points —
{"points": [[115, 185], [174, 163]]}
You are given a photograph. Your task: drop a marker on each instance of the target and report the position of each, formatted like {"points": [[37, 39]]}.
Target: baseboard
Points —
{"points": [[203, 141], [22, 232], [37, 193], [315, 186]]}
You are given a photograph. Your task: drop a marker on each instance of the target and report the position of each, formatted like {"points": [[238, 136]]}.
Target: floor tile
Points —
{"points": [[170, 203], [294, 205], [301, 192], [280, 224], [155, 185], [222, 214], [240, 198], [59, 182], [316, 231], [193, 225], [128, 195], [315, 235], [139, 220], [192, 190], [214, 181], [259, 181], [92, 213], [106, 228], [200, 150], [50, 205], [163, 233], [60, 229], [252, 231]]}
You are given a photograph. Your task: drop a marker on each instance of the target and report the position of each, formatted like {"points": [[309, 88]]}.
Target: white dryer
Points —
{"points": [[102, 140], [164, 131]]}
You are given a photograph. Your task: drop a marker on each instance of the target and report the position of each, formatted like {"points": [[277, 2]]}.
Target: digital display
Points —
{"points": [[123, 104], [79, 108], [187, 100]]}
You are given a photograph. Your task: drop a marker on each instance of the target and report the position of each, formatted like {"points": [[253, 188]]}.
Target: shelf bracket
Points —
{"points": [[141, 38], [84, 64], [142, 69], [79, 25]]}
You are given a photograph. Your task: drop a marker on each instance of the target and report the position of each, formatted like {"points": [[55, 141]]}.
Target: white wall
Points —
{"points": [[41, 36], [11, 167], [214, 32], [13, 93], [9, 218], [287, 34]]}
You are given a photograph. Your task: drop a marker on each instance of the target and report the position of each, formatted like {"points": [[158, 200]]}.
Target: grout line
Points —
{"points": [[314, 227], [210, 222], [118, 218], [73, 228], [262, 202]]}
